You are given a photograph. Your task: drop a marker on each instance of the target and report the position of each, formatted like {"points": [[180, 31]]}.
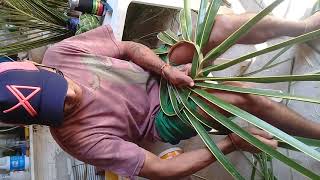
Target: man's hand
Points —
{"points": [[268, 28], [190, 162], [147, 59], [259, 134], [178, 77]]}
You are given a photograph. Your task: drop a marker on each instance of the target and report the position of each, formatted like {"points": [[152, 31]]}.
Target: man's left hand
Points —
{"points": [[261, 135]]}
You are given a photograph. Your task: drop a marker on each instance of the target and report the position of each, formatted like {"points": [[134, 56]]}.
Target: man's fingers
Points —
{"points": [[183, 79], [274, 143], [261, 133], [270, 142], [190, 81], [186, 81]]}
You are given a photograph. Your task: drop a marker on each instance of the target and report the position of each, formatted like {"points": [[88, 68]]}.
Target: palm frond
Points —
{"points": [[232, 39], [175, 101], [205, 21], [300, 39], [311, 142], [188, 21], [250, 138], [259, 123], [260, 92], [213, 147], [266, 79], [270, 64], [29, 24]]}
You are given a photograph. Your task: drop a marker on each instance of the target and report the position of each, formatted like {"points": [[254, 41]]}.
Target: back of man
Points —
{"points": [[119, 102]]}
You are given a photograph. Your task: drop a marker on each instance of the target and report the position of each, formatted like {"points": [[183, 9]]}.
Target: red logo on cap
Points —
{"points": [[23, 101]]}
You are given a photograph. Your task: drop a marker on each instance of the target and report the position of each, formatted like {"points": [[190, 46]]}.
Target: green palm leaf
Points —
{"points": [[266, 79], [28, 24], [270, 64], [259, 123], [179, 97], [206, 21], [204, 24], [167, 37], [197, 58], [163, 50], [300, 39], [172, 35], [260, 92], [266, 68], [201, 21], [183, 95], [251, 139], [37, 11], [188, 20], [165, 101], [176, 105], [212, 146], [232, 39], [274, 58], [310, 142], [57, 4], [183, 25], [9, 50]]}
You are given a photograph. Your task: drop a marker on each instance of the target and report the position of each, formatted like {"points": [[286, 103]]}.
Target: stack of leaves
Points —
{"points": [[28, 24], [57, 4], [180, 99]]}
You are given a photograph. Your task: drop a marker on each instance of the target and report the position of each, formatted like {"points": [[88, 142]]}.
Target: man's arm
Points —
{"points": [[183, 165], [286, 119], [190, 162], [270, 111], [268, 28], [147, 59]]}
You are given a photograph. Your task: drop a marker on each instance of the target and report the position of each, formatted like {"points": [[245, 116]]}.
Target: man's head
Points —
{"points": [[29, 95]]}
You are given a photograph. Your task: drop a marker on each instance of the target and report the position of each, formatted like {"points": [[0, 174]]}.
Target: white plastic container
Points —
{"points": [[14, 163]]}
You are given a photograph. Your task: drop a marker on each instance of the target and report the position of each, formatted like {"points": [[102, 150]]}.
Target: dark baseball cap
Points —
{"points": [[29, 95]]}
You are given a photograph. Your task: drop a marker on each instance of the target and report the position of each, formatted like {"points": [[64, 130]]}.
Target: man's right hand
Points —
{"points": [[178, 77], [263, 136]]}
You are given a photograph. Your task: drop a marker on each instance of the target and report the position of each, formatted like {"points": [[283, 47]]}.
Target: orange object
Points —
{"points": [[112, 176], [171, 153]]}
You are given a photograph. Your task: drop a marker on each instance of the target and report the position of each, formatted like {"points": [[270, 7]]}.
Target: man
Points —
{"points": [[99, 106]]}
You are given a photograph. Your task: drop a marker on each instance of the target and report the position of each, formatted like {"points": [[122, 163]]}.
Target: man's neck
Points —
{"points": [[73, 98]]}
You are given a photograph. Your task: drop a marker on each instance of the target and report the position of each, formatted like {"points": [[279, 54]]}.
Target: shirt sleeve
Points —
{"points": [[121, 157]]}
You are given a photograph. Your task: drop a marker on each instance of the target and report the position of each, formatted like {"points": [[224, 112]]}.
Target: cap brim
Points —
{"points": [[53, 97]]}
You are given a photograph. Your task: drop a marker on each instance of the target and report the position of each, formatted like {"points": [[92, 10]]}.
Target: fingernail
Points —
{"points": [[192, 84]]}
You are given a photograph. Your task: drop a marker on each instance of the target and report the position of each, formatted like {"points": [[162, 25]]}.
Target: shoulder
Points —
{"points": [[98, 42]]}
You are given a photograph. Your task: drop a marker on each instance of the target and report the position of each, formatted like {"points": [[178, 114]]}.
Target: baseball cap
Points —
{"points": [[29, 95]]}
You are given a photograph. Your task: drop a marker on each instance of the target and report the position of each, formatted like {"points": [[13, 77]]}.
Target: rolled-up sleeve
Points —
{"points": [[119, 156]]}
